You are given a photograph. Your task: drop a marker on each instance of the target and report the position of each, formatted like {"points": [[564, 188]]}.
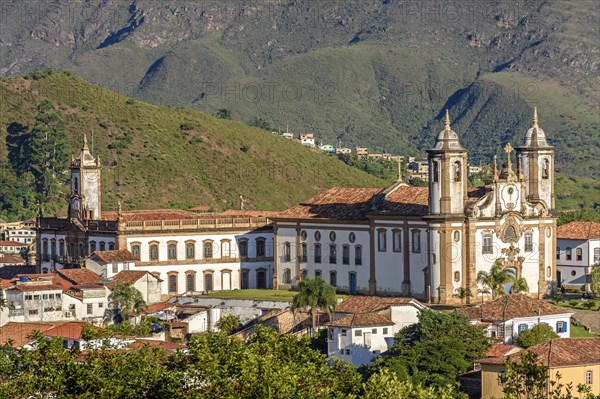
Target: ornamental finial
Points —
{"points": [[535, 118], [447, 120]]}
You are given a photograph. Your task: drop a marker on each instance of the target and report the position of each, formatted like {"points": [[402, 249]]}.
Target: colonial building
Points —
{"points": [[428, 242], [190, 252], [578, 249]]}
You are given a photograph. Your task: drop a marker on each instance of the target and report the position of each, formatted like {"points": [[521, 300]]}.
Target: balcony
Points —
{"points": [[196, 224]]}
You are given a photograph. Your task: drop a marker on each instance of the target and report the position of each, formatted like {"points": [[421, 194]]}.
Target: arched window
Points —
{"points": [[304, 274], [332, 254], [92, 246], [208, 282], [135, 251], [487, 243], [318, 273], [397, 237], [81, 250], [578, 254], [333, 279], [45, 247], [190, 250], [528, 241], [287, 276], [111, 246], [457, 276], [436, 172], [317, 253], [304, 250], [243, 247], [72, 249], [357, 255], [569, 254], [190, 282], [381, 240], [457, 171], [61, 247], [154, 251], [545, 169], [172, 251], [287, 251], [208, 250], [53, 248], [510, 234], [346, 255], [416, 241], [173, 283], [225, 248], [102, 246], [260, 247]]}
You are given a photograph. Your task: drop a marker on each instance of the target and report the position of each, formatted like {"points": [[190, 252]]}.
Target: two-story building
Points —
{"points": [[577, 250], [12, 247]]}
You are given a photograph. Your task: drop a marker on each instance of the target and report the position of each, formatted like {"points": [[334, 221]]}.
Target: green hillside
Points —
{"points": [[158, 156]]}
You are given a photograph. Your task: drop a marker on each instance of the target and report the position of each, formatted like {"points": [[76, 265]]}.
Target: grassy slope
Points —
{"points": [[164, 166]]}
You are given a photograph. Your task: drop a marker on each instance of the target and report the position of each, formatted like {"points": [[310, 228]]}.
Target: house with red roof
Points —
{"points": [[148, 284], [577, 250]]}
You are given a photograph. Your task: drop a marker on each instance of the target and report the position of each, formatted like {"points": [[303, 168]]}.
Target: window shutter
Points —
{"points": [[565, 324], [557, 326]]}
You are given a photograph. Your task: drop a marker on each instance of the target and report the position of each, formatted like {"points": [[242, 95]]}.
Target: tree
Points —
{"points": [[315, 295], [2, 307], [228, 324], [261, 123], [223, 113], [518, 285], [462, 294], [385, 384], [595, 278], [127, 298], [539, 333], [435, 351], [495, 279]]}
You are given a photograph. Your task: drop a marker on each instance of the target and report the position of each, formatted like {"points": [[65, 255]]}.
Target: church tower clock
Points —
{"points": [[85, 200]]}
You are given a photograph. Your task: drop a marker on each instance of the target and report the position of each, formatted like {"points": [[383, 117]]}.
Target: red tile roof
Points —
{"points": [[368, 304], [130, 276], [151, 214], [18, 333], [159, 306], [69, 330], [201, 208], [12, 244], [498, 350], [115, 255], [12, 260], [361, 320], [508, 307], [560, 352], [579, 231], [43, 282], [79, 276]]}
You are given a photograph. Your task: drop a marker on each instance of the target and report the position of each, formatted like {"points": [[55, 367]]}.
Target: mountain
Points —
{"points": [[372, 73], [159, 156]]}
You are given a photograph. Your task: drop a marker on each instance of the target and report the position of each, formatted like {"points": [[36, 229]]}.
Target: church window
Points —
{"points": [[61, 247], [92, 246], [332, 236], [318, 273], [304, 252], [173, 283], [545, 167], [346, 255], [416, 241], [332, 254], [287, 276], [287, 249], [317, 236], [154, 251], [243, 247], [190, 250], [190, 282], [317, 253], [111, 246], [303, 235], [457, 171], [436, 172], [487, 243], [53, 248], [352, 237], [569, 255], [358, 255], [397, 237], [102, 246], [208, 250], [381, 240], [510, 234], [172, 251], [45, 247], [528, 242], [457, 236], [75, 185], [579, 254], [457, 276], [135, 251], [333, 279], [260, 247]]}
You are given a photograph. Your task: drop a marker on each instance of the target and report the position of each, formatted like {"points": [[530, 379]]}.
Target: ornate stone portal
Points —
{"points": [[512, 259]]}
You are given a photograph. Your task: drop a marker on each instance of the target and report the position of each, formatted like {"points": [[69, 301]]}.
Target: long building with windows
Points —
{"points": [[429, 242], [190, 252]]}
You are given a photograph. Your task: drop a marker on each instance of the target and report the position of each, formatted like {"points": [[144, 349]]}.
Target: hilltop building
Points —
{"points": [[428, 242], [190, 252]]}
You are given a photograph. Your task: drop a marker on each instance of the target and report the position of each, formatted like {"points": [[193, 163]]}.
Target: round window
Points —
{"points": [[511, 190], [352, 237], [317, 236], [573, 272], [303, 235], [332, 236]]}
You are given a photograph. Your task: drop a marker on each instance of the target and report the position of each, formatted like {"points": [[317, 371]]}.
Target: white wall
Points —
{"points": [[573, 272], [338, 344]]}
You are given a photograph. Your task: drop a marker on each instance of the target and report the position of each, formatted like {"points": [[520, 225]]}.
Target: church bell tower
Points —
{"points": [[85, 200]]}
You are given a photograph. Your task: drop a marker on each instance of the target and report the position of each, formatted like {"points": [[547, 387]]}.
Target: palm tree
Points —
{"points": [[314, 294], [483, 291], [518, 285], [462, 294], [127, 298], [495, 279]]}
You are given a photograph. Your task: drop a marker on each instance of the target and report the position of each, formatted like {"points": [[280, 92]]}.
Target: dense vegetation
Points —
{"points": [[151, 156]]}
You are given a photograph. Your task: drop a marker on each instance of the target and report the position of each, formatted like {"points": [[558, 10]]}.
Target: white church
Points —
{"points": [[424, 242], [428, 242]]}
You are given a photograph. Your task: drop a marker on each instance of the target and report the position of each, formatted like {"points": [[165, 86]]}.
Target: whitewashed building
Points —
{"points": [[578, 249], [428, 242]]}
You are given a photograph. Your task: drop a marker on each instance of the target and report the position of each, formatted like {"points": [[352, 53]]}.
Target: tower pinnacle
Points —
{"points": [[447, 120], [535, 118]]}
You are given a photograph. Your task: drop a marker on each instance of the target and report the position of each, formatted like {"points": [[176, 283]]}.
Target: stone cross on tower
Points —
{"points": [[508, 149]]}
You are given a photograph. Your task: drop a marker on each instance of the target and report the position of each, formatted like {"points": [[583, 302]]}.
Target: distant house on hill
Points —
{"points": [[307, 139]]}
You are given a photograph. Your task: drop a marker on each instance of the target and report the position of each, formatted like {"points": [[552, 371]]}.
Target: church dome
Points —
{"points": [[535, 136], [447, 139]]}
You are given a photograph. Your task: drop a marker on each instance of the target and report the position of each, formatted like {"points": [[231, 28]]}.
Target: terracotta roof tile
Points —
{"points": [[70, 330], [361, 320], [115, 255], [11, 244], [150, 214], [12, 260], [367, 304], [18, 332], [129, 276], [508, 307], [405, 200], [249, 213], [579, 231], [43, 282], [498, 350], [79, 276]]}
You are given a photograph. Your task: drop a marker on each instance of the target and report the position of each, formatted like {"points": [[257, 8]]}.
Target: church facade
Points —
{"points": [[428, 242]]}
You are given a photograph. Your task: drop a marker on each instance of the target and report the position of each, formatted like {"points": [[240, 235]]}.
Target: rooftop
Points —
{"points": [[115, 255], [579, 231], [79, 276], [11, 244], [69, 330], [18, 333], [361, 320], [130, 276], [508, 307], [368, 304]]}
